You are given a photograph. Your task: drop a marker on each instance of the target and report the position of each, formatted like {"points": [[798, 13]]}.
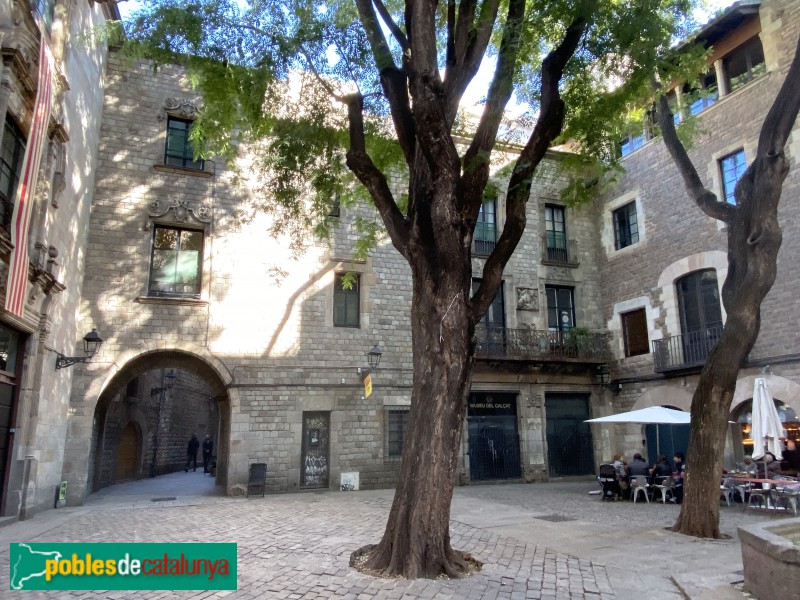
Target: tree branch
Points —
{"points": [[393, 80], [373, 179], [704, 198], [476, 160], [396, 31], [469, 48], [783, 113], [548, 127]]}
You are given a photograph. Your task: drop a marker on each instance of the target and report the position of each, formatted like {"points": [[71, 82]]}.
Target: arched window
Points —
{"points": [[701, 315]]}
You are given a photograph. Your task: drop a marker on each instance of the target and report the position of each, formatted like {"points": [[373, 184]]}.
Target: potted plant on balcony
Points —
{"points": [[576, 341]]}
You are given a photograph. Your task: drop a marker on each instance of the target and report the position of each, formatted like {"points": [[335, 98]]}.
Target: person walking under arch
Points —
{"points": [[208, 448], [191, 453]]}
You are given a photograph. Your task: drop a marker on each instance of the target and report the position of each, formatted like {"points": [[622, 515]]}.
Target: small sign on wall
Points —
{"points": [[349, 482]]}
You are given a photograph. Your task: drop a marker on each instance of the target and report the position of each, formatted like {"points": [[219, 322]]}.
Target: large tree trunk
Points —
{"points": [[754, 238], [416, 542]]}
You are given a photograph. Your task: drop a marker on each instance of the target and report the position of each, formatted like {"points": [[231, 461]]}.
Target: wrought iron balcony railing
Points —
{"points": [[684, 351], [484, 239], [533, 344], [559, 251]]}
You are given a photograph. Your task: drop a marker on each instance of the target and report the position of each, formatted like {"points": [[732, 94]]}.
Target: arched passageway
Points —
{"points": [[147, 413]]}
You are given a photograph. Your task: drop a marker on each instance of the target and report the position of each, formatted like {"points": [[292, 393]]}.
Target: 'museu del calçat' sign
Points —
{"points": [[491, 403]]}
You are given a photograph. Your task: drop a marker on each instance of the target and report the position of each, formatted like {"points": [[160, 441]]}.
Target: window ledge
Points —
{"points": [[176, 300], [183, 171]]}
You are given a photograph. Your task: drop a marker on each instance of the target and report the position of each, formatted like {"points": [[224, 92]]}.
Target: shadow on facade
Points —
{"points": [[147, 414]]}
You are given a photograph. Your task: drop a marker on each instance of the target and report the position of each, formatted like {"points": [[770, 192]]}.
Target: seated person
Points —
{"points": [[678, 476], [749, 466], [773, 466], [621, 469], [791, 457], [638, 466], [660, 471]]}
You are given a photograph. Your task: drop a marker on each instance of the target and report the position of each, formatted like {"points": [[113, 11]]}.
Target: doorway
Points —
{"points": [[128, 453], [314, 459], [493, 436], [569, 438]]}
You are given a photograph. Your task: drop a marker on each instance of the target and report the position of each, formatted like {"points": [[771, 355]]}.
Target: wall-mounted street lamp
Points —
{"points": [[604, 376], [91, 344], [374, 357]]}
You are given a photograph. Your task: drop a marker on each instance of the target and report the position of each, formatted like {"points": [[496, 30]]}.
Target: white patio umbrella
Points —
{"points": [[652, 415], [767, 427]]}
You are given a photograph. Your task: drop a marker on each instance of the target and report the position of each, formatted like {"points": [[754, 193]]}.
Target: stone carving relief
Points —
{"points": [[527, 298], [180, 212], [181, 107], [559, 274]]}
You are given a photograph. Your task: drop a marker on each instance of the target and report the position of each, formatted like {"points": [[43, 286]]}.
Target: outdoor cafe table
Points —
{"points": [[766, 485]]}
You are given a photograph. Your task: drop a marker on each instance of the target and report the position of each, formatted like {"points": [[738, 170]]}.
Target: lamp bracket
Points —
{"points": [[67, 361]]}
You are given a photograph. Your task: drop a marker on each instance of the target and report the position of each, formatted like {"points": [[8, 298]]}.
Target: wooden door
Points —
{"points": [[128, 453]]}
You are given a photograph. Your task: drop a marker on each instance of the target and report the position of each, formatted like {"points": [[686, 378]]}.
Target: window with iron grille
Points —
{"points": [[634, 330], [732, 167], [626, 226], [556, 232], [11, 154], [396, 425], [178, 151], [346, 302], [486, 228], [175, 268]]}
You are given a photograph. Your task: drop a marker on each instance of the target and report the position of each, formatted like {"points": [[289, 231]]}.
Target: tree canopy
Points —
{"points": [[244, 57]]}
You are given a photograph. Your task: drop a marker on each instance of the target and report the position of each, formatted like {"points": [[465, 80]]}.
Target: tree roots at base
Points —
{"points": [[462, 562]]}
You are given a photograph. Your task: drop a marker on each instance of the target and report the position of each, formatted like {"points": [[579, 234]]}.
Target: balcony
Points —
{"points": [[540, 345], [684, 352], [484, 239], [558, 251]]}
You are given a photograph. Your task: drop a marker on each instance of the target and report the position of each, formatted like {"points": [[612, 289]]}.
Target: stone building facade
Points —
{"points": [[666, 282], [174, 266], [34, 395], [261, 326]]}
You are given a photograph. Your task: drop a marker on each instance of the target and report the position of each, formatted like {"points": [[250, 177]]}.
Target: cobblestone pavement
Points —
{"points": [[547, 541]]}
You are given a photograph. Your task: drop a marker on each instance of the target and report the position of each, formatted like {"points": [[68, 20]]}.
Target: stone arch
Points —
{"points": [[668, 395], [101, 382]]}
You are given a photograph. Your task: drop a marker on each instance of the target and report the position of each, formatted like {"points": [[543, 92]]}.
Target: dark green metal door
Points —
{"points": [[569, 439]]}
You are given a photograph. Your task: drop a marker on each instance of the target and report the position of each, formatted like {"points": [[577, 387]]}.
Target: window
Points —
{"points": [[46, 8], [744, 64], [556, 233], [485, 229], [346, 302], [335, 206], [732, 167], [176, 262], [630, 143], [703, 94], [396, 426], [132, 389], [178, 152], [11, 154], [626, 226], [701, 315], [560, 308], [634, 330]]}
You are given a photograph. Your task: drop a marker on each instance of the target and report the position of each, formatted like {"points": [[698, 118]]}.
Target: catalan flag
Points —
{"points": [[24, 199]]}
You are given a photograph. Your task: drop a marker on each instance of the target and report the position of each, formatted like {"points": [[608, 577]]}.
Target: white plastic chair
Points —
{"points": [[639, 484], [760, 496], [665, 487], [726, 490]]}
